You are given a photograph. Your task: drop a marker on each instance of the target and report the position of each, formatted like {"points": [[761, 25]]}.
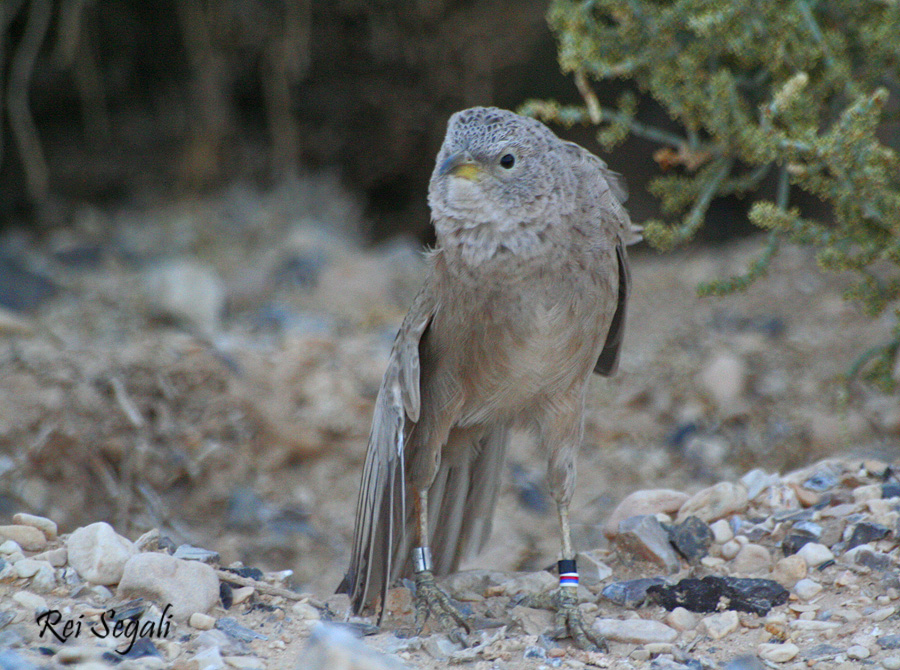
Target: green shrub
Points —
{"points": [[800, 88]]}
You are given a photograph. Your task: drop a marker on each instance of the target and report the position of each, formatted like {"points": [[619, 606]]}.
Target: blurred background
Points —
{"points": [[211, 218]]}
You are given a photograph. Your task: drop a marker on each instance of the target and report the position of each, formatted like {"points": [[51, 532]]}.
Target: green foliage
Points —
{"points": [[799, 87]]}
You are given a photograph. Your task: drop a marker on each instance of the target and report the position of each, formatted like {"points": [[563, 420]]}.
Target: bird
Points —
{"points": [[524, 298]]}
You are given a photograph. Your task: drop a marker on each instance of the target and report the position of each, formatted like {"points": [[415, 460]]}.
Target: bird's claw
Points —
{"points": [[569, 621], [432, 600]]}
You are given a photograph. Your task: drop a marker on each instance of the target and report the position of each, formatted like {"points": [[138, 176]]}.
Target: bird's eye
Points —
{"points": [[507, 161]]}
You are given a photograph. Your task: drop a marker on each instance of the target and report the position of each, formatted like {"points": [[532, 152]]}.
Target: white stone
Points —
{"points": [[714, 502], [98, 553], [187, 292], [752, 559], [189, 586], [721, 531], [730, 549], [725, 378], [758, 481], [30, 601], [637, 631], [44, 580], [591, 568], [651, 501], [202, 621], [719, 625], [778, 653], [8, 547], [858, 652], [682, 619], [46, 526], [806, 589], [815, 554], [28, 538], [882, 613], [891, 663], [789, 570], [27, 567]]}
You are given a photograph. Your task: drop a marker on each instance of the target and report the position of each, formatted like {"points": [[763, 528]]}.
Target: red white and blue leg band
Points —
{"points": [[568, 573]]}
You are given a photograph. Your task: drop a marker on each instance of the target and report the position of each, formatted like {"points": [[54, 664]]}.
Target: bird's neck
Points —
{"points": [[490, 244]]}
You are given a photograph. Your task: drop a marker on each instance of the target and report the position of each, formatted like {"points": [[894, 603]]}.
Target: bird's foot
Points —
{"points": [[432, 600], [569, 622]]}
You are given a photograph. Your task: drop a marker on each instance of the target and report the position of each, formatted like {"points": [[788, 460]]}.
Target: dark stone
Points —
{"points": [[866, 532], [791, 544], [226, 594], [142, 647], [709, 594], [248, 572], [821, 651], [890, 490], [130, 609], [889, 641], [679, 437], [745, 663], [21, 290], [691, 538], [235, 630], [821, 481], [302, 269], [875, 560], [631, 593], [535, 652]]}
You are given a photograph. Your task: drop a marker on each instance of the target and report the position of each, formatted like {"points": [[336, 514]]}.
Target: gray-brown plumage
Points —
{"points": [[524, 298]]}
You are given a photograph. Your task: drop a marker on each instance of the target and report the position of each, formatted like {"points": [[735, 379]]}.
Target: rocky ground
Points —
{"points": [[202, 375]]}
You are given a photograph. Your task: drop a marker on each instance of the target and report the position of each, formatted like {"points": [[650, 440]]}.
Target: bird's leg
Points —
{"points": [[429, 598], [562, 438]]}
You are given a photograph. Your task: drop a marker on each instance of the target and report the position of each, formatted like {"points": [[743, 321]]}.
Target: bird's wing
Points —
{"points": [[609, 194], [381, 514]]}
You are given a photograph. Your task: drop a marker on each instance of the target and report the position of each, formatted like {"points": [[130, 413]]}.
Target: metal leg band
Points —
{"points": [[421, 558], [568, 573]]}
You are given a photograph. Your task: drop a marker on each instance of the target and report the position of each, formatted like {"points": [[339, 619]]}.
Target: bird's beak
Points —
{"points": [[461, 164]]}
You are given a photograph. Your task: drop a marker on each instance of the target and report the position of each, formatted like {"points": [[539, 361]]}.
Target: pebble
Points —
{"points": [[778, 653], [714, 502], [721, 531], [44, 580], [191, 553], [241, 594], [891, 663], [719, 625], [630, 593], [30, 601], [807, 589], [730, 549], [865, 532], [758, 481], [202, 621], [28, 538], [682, 619], [889, 641], [652, 501], [188, 292], [858, 652], [58, 557], [8, 547], [28, 567], [751, 559], [867, 492], [532, 621], [636, 631], [591, 568], [98, 553], [815, 554], [46, 526], [691, 538], [881, 614], [725, 378], [189, 586], [789, 570], [645, 537]]}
